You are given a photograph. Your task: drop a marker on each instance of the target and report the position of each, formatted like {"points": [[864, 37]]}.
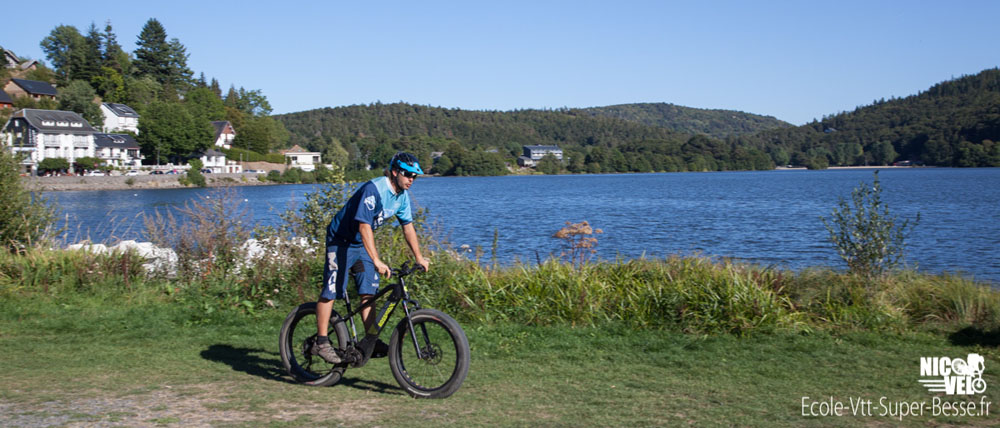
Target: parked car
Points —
{"points": [[132, 173], [173, 171], [95, 174], [206, 171], [156, 172]]}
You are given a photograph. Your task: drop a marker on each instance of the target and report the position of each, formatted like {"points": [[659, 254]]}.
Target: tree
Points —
{"points": [[53, 165], [78, 97], [153, 54], [883, 153], [549, 164], [65, 49], [112, 53], [26, 217], [194, 174], [93, 59], [260, 134], [169, 131], [88, 163], [865, 234], [252, 102], [110, 85], [214, 86], [141, 91], [180, 74], [203, 103]]}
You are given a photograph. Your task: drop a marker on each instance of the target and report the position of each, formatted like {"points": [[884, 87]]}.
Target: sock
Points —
{"points": [[322, 339]]}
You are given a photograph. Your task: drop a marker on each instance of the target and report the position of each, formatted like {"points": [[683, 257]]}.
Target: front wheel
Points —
{"points": [[436, 365], [295, 343]]}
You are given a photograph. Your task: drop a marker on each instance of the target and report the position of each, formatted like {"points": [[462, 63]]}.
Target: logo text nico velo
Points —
{"points": [[941, 375]]}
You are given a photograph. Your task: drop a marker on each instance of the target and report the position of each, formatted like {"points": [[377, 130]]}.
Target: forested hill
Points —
{"points": [[954, 123], [688, 120], [362, 135]]}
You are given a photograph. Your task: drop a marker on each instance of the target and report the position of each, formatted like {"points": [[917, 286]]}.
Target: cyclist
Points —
{"points": [[350, 246]]}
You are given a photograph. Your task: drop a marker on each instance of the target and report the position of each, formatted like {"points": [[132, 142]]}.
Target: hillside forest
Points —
{"points": [[954, 123]]}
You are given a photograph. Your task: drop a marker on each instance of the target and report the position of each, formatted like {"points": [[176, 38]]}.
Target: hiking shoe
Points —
{"points": [[380, 350], [327, 353]]}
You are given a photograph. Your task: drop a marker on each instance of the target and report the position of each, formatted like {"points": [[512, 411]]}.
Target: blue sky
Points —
{"points": [[794, 60]]}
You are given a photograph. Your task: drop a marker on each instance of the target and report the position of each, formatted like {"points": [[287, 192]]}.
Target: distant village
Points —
{"points": [[36, 135]]}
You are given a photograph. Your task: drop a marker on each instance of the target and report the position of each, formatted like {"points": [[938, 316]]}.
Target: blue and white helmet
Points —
{"points": [[403, 161]]}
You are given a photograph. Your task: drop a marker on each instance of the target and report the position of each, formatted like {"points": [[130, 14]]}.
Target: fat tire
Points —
{"points": [[299, 366], [454, 347]]}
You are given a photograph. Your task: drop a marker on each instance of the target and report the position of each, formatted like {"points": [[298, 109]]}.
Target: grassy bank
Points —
{"points": [[90, 339], [89, 360]]}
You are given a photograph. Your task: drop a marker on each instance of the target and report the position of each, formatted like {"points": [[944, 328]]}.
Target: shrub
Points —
{"points": [[26, 217], [53, 165], [865, 234], [194, 175]]}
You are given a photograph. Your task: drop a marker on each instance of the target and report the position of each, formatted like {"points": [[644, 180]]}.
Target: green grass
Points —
{"points": [[91, 359]]}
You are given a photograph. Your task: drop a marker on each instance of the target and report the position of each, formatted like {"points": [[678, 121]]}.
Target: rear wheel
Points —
{"points": [[295, 342], [442, 363]]}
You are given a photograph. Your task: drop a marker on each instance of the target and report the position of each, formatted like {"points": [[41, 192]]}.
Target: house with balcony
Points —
{"points": [[41, 134], [119, 117], [224, 134], [297, 157], [119, 150]]}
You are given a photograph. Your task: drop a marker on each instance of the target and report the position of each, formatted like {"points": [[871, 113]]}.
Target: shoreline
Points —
{"points": [[170, 181], [143, 182]]}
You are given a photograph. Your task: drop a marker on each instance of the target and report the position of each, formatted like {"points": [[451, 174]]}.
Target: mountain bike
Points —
{"points": [[428, 351]]}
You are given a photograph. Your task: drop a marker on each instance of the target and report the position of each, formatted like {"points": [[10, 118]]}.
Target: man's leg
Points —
{"points": [[368, 285], [324, 307], [332, 288], [367, 314]]}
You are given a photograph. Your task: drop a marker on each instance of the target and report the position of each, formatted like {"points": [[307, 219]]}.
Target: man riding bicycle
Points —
{"points": [[350, 246]]}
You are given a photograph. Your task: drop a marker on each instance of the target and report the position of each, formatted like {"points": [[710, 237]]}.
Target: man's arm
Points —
{"points": [[410, 233], [368, 240]]}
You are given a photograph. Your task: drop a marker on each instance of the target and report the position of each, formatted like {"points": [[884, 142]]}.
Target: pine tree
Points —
{"points": [[113, 55], [153, 54], [215, 88], [180, 74], [93, 58]]}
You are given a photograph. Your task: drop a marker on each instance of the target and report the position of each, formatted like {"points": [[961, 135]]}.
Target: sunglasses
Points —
{"points": [[410, 175]]}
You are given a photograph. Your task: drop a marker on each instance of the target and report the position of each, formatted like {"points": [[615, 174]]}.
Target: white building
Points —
{"points": [[536, 153], [224, 134], [216, 162], [42, 134], [119, 117], [117, 150], [297, 157]]}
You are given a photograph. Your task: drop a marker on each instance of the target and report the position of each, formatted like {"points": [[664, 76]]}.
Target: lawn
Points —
{"points": [[95, 361]]}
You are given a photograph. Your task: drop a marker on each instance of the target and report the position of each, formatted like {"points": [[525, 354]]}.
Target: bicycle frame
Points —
{"points": [[398, 295]]}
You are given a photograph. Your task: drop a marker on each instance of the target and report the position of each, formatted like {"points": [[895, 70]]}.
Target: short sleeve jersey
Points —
{"points": [[372, 204]]}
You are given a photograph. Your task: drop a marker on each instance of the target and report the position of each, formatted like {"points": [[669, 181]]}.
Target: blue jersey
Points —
{"points": [[372, 204]]}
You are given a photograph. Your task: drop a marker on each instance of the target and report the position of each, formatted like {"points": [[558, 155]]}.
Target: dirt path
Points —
{"points": [[202, 405]]}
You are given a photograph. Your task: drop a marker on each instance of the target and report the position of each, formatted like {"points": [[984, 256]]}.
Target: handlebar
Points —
{"points": [[406, 269]]}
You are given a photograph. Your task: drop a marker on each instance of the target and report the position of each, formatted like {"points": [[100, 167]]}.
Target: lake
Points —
{"points": [[766, 217]]}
